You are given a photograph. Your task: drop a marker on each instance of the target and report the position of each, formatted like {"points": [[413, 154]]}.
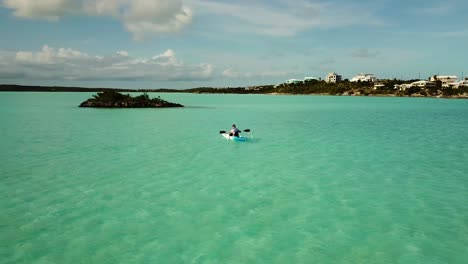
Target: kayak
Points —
{"points": [[227, 136], [233, 138]]}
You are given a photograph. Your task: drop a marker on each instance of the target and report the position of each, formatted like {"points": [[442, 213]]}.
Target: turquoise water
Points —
{"points": [[324, 180]]}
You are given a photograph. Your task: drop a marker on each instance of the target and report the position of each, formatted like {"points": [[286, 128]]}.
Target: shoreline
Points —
{"points": [[270, 94], [238, 91], [373, 95]]}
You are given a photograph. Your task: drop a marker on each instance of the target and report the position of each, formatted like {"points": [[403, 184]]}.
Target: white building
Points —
{"points": [[294, 81], [333, 77], [379, 86], [423, 84], [420, 84], [459, 84], [364, 77], [402, 87], [445, 79], [252, 88]]}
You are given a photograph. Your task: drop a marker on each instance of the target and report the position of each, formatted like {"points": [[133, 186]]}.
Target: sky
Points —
{"points": [[193, 43]]}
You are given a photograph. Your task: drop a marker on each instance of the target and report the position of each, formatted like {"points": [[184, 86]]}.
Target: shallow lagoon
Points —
{"points": [[324, 180]]}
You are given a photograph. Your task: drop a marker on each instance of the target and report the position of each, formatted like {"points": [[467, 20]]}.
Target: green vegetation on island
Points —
{"points": [[112, 99]]}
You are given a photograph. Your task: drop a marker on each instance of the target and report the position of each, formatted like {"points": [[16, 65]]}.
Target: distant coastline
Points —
{"points": [[32, 88], [313, 88]]}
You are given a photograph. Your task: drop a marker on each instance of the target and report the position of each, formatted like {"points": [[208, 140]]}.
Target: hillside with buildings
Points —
{"points": [[369, 84]]}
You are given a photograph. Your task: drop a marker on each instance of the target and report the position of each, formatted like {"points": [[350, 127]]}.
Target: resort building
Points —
{"points": [[294, 81], [423, 84], [364, 77], [402, 87], [252, 88], [459, 84], [379, 86], [333, 77], [445, 79]]}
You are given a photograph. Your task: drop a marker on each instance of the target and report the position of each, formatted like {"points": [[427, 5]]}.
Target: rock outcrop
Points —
{"points": [[111, 99]]}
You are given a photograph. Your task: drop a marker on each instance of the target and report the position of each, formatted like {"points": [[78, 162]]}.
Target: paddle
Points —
{"points": [[224, 132]]}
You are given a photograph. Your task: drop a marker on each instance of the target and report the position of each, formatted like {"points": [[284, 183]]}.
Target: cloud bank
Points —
{"points": [[69, 64], [140, 17]]}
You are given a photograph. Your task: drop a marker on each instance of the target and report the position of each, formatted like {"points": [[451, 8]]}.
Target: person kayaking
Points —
{"points": [[234, 131]]}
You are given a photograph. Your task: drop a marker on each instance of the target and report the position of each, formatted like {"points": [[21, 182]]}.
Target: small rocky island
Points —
{"points": [[112, 99]]}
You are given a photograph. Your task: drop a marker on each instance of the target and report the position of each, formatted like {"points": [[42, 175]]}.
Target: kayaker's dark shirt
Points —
{"points": [[235, 132]]}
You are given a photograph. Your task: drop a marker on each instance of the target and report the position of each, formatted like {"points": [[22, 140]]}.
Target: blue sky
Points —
{"points": [[192, 43]]}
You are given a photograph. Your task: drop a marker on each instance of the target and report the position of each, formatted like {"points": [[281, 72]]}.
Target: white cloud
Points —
{"points": [[122, 53], [146, 17], [50, 56], [143, 17], [43, 9], [68, 64], [140, 17], [230, 73], [167, 58]]}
